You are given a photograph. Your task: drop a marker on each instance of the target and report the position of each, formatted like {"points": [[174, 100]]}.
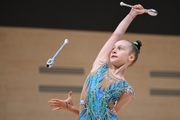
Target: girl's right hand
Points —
{"points": [[59, 104], [137, 10]]}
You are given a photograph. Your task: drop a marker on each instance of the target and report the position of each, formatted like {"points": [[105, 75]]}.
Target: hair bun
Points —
{"points": [[138, 44]]}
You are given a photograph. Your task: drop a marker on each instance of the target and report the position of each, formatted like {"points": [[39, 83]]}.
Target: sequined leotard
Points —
{"points": [[100, 95]]}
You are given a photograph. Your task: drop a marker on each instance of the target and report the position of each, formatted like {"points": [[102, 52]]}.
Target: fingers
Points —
{"points": [[56, 103], [57, 108], [61, 104], [138, 9], [70, 94], [53, 104], [138, 6], [55, 99]]}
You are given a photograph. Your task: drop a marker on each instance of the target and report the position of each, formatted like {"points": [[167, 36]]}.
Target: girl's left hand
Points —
{"points": [[59, 104]]}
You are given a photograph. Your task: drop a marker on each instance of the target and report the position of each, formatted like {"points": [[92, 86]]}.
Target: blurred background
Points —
{"points": [[32, 31]]}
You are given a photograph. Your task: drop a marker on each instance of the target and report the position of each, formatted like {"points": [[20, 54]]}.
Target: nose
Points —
{"points": [[114, 50]]}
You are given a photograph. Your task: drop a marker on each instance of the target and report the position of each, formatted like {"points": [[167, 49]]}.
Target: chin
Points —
{"points": [[116, 63]]}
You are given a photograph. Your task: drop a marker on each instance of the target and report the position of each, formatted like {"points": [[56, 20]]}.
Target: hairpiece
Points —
{"points": [[137, 45]]}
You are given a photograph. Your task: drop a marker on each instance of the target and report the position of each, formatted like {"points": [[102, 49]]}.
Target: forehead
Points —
{"points": [[124, 43]]}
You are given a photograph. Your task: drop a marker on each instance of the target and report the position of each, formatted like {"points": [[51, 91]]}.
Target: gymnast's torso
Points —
{"points": [[100, 93]]}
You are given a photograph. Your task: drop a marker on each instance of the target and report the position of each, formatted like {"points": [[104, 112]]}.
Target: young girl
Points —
{"points": [[106, 91]]}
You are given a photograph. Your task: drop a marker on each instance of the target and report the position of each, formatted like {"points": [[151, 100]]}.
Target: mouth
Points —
{"points": [[113, 56]]}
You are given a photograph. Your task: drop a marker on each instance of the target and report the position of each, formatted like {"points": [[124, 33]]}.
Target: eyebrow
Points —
{"points": [[119, 46]]}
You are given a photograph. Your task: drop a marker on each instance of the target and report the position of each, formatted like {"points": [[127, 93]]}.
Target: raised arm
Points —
{"points": [[117, 34]]}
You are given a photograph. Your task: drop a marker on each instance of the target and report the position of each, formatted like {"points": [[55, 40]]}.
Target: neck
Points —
{"points": [[118, 72]]}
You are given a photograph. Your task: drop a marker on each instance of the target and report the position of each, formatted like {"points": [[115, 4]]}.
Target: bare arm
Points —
{"points": [[123, 101], [117, 34]]}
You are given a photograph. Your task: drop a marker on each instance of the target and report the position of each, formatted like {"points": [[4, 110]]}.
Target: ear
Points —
{"points": [[131, 58]]}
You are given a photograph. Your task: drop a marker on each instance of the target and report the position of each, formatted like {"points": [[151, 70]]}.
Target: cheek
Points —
{"points": [[123, 55]]}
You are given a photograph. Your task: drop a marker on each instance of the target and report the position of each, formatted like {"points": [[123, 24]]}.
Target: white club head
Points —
{"points": [[152, 12], [121, 3], [127, 5], [66, 41], [50, 63]]}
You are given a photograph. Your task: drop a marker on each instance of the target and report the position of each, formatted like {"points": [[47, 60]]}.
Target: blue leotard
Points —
{"points": [[100, 94]]}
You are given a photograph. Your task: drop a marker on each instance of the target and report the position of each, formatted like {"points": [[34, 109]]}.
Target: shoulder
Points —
{"points": [[101, 64], [129, 89]]}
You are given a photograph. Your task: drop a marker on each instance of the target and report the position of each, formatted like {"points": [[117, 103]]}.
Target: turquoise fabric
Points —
{"points": [[96, 106]]}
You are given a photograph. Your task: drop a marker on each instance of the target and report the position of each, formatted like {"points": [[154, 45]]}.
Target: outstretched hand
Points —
{"points": [[138, 9], [59, 104]]}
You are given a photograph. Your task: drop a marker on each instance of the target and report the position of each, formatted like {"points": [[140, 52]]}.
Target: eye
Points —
{"points": [[120, 48]]}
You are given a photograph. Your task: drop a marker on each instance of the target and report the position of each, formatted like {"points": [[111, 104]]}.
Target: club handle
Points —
{"points": [[127, 5], [55, 55]]}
